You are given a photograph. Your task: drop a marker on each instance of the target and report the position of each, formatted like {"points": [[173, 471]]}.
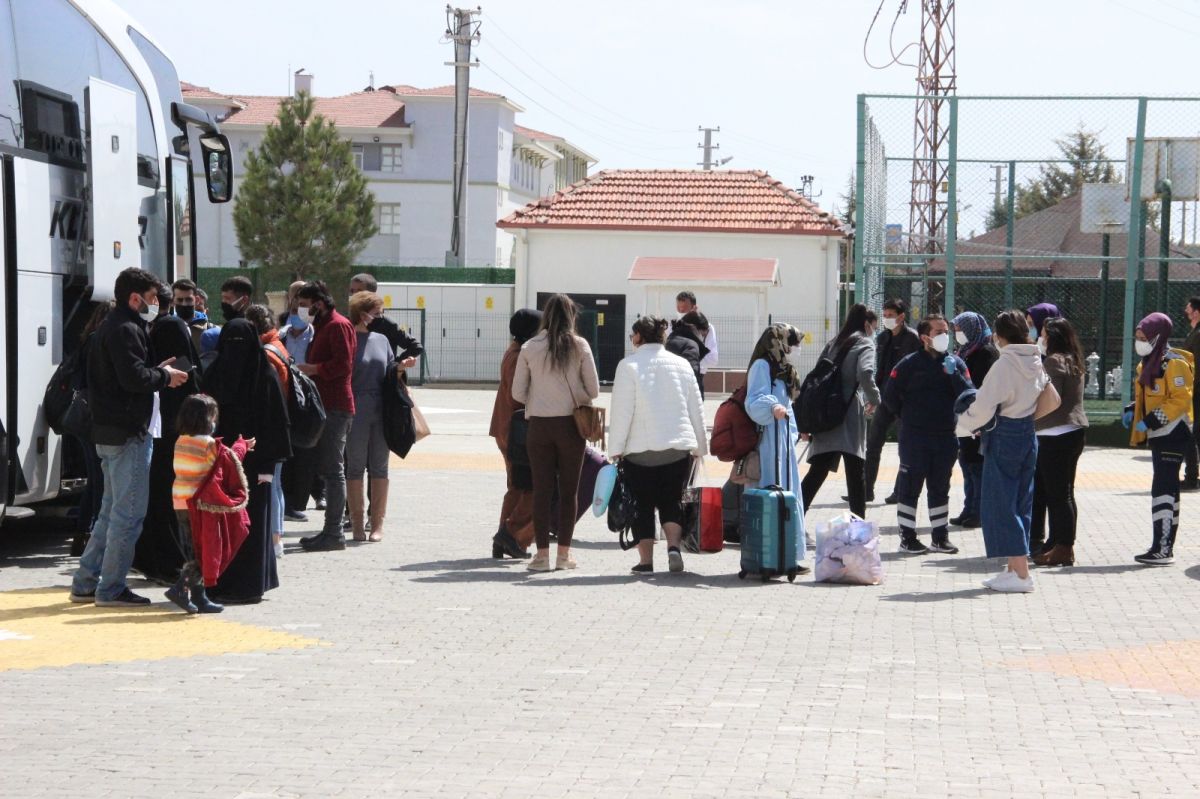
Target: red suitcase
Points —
{"points": [[711, 524]]}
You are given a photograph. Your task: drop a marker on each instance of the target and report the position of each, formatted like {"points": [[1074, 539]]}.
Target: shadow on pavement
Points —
{"points": [[1193, 572], [935, 596]]}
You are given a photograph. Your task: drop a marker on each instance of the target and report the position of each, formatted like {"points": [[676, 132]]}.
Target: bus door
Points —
{"points": [[112, 175]]}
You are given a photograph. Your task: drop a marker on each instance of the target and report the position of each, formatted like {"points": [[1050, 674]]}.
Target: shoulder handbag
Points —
{"points": [[589, 420], [77, 420], [1047, 402]]}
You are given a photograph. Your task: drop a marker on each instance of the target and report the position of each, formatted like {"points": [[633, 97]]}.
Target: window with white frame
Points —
{"points": [[389, 219], [392, 158], [357, 152]]}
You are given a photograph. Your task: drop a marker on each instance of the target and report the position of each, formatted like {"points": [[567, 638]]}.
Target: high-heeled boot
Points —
{"points": [[379, 503], [355, 502]]}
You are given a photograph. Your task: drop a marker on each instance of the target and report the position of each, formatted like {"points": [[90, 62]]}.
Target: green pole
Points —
{"points": [[1140, 289], [1009, 224], [860, 288], [1132, 256], [951, 209], [1164, 243], [1102, 346]]}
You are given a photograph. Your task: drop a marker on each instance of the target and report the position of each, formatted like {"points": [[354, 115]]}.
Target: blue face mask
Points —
{"points": [[296, 322]]}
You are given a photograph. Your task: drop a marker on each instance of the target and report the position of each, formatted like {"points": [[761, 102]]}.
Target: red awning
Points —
{"points": [[763, 271]]}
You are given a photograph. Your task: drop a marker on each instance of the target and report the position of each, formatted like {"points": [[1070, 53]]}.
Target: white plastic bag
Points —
{"points": [[848, 552]]}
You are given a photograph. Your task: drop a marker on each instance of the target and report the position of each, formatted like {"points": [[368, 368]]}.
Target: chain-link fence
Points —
{"points": [[996, 207]]}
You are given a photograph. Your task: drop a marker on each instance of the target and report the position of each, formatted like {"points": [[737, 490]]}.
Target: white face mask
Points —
{"points": [[150, 314], [793, 357], [941, 342], [960, 337], [1042, 346], [889, 323], [305, 314], [1143, 348]]}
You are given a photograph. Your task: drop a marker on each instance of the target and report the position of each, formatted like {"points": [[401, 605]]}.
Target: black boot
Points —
{"points": [[203, 603], [178, 593]]}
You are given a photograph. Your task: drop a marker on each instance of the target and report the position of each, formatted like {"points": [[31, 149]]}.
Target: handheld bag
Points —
{"points": [[703, 529], [772, 523], [848, 552], [622, 510]]}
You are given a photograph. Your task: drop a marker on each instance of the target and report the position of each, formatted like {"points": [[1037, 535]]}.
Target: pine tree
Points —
{"points": [[1087, 163], [303, 209], [997, 217], [848, 202]]}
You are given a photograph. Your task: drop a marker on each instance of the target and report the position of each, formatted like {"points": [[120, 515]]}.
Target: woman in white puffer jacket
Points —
{"points": [[656, 429]]}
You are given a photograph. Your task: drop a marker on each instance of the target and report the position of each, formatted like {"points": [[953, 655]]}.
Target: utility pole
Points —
{"points": [[996, 185], [708, 147], [463, 30]]}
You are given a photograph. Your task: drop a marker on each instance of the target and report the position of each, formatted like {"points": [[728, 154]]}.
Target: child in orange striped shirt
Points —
{"points": [[196, 453]]}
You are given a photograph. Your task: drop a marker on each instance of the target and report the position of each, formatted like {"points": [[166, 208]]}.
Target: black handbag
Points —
{"points": [[518, 436], [77, 420], [622, 510]]}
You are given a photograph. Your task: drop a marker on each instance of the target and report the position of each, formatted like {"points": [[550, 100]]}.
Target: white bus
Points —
{"points": [[96, 159]]}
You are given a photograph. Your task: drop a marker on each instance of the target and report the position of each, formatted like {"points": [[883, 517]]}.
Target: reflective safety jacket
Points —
{"points": [[1168, 402]]}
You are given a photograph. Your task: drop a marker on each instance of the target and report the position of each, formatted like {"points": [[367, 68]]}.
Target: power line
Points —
{"points": [[500, 29], [620, 146]]}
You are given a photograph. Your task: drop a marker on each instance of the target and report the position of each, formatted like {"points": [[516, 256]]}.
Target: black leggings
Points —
{"points": [[657, 488], [1054, 489], [819, 467]]}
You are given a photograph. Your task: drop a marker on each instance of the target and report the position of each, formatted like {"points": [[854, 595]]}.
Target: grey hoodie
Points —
{"points": [[1011, 389]]}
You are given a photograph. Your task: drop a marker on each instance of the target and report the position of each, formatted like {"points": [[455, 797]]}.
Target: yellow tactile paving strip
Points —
{"points": [[1131, 480], [40, 628], [1172, 667]]}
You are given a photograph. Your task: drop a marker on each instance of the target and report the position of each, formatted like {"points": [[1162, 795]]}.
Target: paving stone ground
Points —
{"points": [[421, 667]]}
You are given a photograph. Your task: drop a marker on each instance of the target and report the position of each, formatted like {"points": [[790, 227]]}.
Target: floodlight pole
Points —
{"points": [[1105, 243], [1164, 243], [1132, 256]]}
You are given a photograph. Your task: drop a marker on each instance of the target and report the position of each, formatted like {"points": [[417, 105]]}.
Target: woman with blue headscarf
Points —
{"points": [[975, 347]]}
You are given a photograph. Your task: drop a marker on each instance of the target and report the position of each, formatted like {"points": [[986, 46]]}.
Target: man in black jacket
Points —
{"points": [[892, 345], [1191, 474], [406, 348], [122, 383]]}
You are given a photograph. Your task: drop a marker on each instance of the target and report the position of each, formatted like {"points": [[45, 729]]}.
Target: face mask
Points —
{"points": [[304, 314], [230, 312], [889, 323], [961, 338], [295, 322], [941, 342], [185, 312], [1143, 348], [1042, 346], [148, 313], [793, 357], [1032, 335]]}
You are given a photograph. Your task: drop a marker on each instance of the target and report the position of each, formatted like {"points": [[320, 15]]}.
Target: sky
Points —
{"points": [[630, 81]]}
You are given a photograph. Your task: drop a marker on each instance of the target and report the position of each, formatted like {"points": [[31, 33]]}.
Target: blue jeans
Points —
{"points": [[277, 500], [972, 485], [1006, 505], [109, 553]]}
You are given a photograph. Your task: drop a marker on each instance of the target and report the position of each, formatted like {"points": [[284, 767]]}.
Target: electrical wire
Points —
{"points": [[612, 142], [867, 39], [500, 29]]}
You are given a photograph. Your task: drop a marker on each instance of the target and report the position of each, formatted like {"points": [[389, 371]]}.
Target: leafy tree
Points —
{"points": [[1087, 163], [303, 210], [997, 217], [848, 203]]}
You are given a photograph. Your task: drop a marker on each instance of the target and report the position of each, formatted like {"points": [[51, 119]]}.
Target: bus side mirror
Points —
{"points": [[218, 166]]}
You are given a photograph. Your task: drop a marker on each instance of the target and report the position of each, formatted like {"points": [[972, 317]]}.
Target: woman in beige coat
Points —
{"points": [[555, 375]]}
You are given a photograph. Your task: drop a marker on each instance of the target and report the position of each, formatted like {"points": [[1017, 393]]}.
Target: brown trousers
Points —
{"points": [[556, 457], [516, 512]]}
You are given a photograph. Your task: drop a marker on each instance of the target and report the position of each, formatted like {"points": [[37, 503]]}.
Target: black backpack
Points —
{"points": [[306, 412], [820, 406], [67, 378]]}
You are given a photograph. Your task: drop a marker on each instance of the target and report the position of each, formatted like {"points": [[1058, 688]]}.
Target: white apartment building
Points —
{"points": [[403, 140]]}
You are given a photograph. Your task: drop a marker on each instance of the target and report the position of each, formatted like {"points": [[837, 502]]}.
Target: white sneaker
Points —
{"points": [[1009, 583], [278, 546]]}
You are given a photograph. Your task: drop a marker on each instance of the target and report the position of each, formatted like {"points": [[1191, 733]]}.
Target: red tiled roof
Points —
{"points": [[403, 89], [536, 134], [725, 201], [200, 92], [358, 110], [705, 270], [1055, 231]]}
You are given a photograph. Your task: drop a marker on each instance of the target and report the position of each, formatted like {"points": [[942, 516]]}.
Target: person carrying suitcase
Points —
{"points": [[921, 391]]}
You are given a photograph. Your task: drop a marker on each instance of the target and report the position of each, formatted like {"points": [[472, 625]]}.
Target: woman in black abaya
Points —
{"points": [[157, 554], [246, 388]]}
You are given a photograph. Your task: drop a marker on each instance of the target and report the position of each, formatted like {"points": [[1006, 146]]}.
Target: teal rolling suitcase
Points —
{"points": [[771, 525]]}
